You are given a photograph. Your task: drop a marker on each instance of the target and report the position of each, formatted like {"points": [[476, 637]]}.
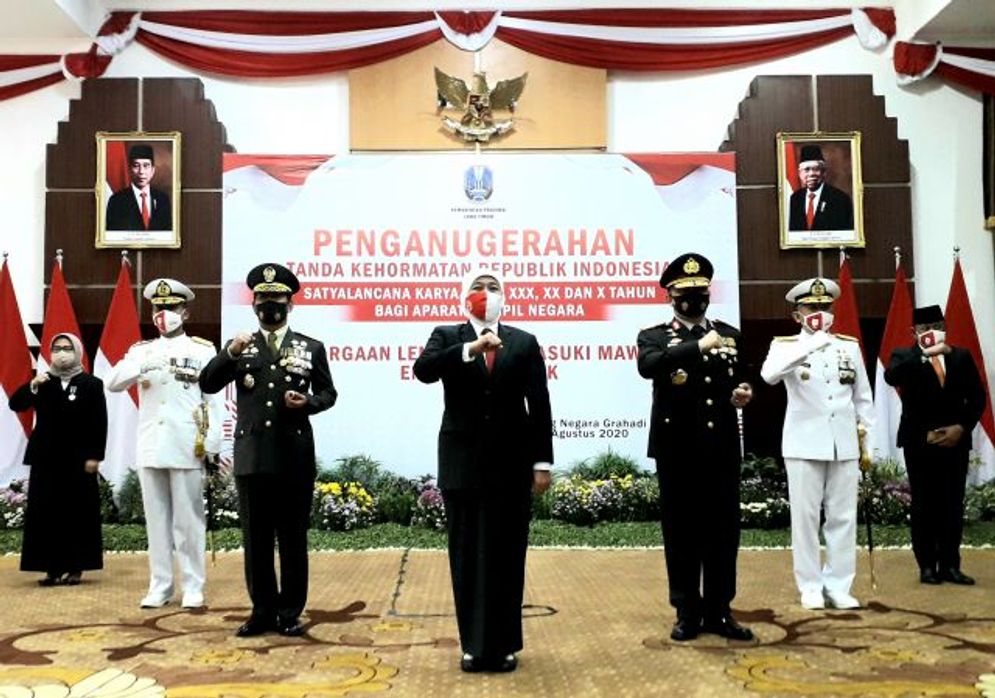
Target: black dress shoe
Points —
{"points": [[955, 576], [727, 627], [503, 664], [50, 580], [290, 627], [471, 664], [255, 626], [685, 629], [928, 576]]}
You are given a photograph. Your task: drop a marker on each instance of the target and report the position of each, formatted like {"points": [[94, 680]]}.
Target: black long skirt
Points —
{"points": [[62, 520]]}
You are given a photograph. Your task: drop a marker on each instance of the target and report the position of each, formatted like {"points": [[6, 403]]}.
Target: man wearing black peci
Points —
{"points": [[694, 437], [281, 378], [942, 400], [139, 206]]}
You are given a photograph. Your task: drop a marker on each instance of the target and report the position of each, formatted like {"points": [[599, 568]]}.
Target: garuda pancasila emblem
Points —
{"points": [[478, 102]]}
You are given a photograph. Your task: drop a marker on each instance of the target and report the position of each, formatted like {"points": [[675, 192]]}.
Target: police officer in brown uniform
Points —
{"points": [[281, 378], [694, 437]]}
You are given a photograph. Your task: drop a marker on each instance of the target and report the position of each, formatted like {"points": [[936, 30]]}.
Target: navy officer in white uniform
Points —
{"points": [[178, 425], [828, 396]]}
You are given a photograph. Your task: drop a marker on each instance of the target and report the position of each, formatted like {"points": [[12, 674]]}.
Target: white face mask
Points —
{"points": [[930, 338], [63, 359], [167, 321], [819, 320]]}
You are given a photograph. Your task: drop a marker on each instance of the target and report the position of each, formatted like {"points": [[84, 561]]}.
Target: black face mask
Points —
{"points": [[692, 304], [271, 312]]}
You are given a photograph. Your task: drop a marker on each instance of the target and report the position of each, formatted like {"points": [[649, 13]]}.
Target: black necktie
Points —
{"points": [[697, 331]]}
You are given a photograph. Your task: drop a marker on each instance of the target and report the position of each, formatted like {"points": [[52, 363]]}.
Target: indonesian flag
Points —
{"points": [[59, 317], [887, 403], [120, 332], [961, 332], [15, 371], [847, 320]]}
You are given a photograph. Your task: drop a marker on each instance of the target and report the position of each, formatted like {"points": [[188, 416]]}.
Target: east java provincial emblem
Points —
{"points": [[478, 103]]}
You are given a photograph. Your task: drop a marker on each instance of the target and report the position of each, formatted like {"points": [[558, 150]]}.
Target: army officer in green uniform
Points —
{"points": [[694, 437], [281, 378]]}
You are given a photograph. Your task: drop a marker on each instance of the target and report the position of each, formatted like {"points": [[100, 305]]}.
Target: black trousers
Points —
{"points": [[488, 538], [699, 501], [275, 509], [937, 478]]}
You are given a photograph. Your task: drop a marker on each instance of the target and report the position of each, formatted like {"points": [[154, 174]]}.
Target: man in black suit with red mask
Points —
{"points": [[942, 400]]}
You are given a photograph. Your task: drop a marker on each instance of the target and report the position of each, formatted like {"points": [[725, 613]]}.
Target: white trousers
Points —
{"points": [[831, 485], [174, 520]]}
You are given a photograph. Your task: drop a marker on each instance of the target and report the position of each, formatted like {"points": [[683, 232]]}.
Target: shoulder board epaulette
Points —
{"points": [[201, 340], [298, 335], [788, 338], [846, 337], [720, 322]]}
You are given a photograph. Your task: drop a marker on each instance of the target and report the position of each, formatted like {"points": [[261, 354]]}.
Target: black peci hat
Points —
{"points": [[270, 277], [927, 315], [141, 152], [810, 152]]}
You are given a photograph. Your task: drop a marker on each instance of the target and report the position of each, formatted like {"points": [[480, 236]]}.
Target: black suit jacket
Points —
{"points": [[925, 404], [497, 425], [833, 212], [692, 415], [67, 432], [123, 212], [271, 438]]}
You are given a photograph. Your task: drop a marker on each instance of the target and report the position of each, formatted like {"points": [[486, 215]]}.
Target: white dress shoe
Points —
{"points": [[154, 601], [842, 600], [193, 601], [813, 600]]}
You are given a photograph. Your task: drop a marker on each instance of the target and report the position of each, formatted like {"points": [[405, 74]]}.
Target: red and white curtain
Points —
{"points": [[284, 44], [970, 67]]}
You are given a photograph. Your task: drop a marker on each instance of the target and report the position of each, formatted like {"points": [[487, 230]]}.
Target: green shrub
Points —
{"points": [[542, 505], [604, 465], [358, 468], [108, 510], [979, 503], [129, 500]]}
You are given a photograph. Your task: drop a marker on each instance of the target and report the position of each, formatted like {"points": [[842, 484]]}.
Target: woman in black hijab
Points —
{"points": [[62, 522]]}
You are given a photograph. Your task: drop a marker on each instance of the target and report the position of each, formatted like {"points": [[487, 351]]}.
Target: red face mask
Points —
{"points": [[484, 305]]}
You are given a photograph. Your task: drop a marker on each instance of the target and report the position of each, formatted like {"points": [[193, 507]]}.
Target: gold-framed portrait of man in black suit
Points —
{"points": [[820, 189], [137, 189]]}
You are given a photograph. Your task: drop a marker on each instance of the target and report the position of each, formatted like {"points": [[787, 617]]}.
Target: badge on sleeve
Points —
{"points": [[249, 382], [679, 377]]}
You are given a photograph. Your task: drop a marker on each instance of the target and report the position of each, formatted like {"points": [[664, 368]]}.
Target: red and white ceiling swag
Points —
{"points": [[970, 67], [285, 44]]}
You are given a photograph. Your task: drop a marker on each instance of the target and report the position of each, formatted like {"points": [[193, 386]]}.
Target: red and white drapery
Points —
{"points": [[970, 67], [284, 44]]}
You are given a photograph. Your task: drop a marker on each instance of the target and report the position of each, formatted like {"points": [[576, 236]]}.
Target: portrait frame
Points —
{"points": [[120, 220], [833, 216]]}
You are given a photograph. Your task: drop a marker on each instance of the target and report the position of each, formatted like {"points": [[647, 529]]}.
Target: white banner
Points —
{"points": [[380, 243]]}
